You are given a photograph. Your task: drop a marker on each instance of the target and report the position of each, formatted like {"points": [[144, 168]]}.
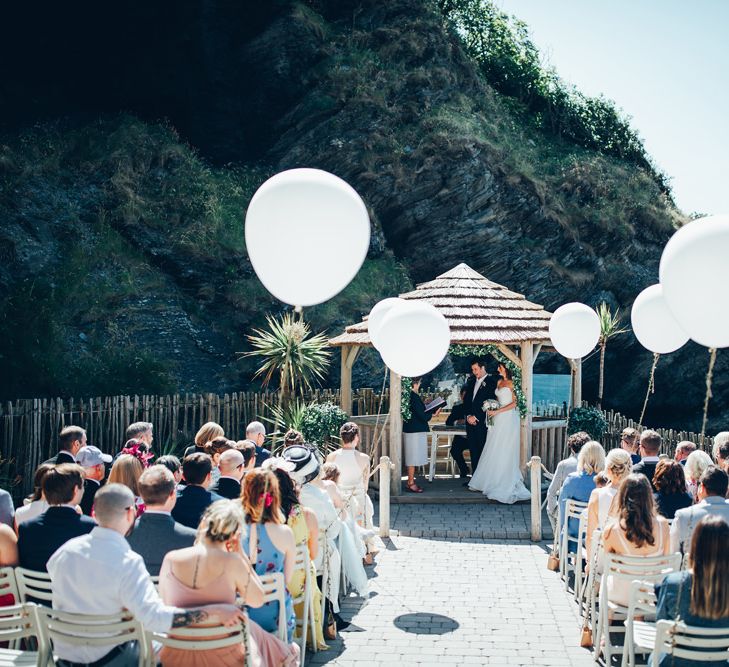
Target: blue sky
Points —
{"points": [[666, 63]]}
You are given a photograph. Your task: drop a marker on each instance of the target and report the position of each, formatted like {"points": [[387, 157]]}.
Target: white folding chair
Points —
{"points": [[323, 571], [274, 590], [20, 622], [568, 561], [204, 639], [588, 594], [619, 568], [690, 642], [581, 555], [33, 586], [306, 619], [639, 635], [107, 630]]}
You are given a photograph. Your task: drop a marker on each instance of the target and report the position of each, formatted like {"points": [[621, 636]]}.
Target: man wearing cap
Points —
{"points": [[93, 461], [256, 432]]}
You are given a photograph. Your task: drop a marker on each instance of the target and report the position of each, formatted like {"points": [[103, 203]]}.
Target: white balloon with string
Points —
{"points": [[653, 323], [377, 315], [574, 329], [307, 233], [413, 338]]}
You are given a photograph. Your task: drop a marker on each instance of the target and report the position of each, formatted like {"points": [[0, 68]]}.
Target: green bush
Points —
{"points": [[321, 422], [587, 419]]}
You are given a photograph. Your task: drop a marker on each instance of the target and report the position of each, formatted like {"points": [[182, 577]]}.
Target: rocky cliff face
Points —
{"points": [[378, 93]]}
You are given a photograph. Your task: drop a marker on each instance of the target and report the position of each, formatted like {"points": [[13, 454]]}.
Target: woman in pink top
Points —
{"points": [[215, 570]]}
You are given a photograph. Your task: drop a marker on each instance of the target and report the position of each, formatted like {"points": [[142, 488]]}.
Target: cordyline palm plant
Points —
{"points": [[291, 353], [609, 328]]}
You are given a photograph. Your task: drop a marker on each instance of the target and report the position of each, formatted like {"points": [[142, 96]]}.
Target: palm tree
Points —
{"points": [[290, 352], [609, 328]]}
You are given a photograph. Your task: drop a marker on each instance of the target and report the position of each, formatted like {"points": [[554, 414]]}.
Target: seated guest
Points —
{"points": [[38, 538], [127, 470], [696, 464], [637, 531], [140, 431], [99, 574], [720, 439], [256, 432], [7, 512], [8, 552], [602, 504], [630, 442], [457, 417], [207, 432], [650, 447], [711, 500], [70, 440], [232, 468], [35, 504], [698, 597], [248, 449], [194, 498], [214, 449], [216, 570], [601, 480], [156, 532], [722, 456], [293, 437], [581, 483], [305, 528], [564, 468], [172, 463], [670, 484], [93, 461], [269, 543], [683, 449]]}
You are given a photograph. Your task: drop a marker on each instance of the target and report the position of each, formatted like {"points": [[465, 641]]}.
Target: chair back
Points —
{"points": [[573, 509], [302, 563], [647, 569], [691, 643], [205, 638], [33, 584], [18, 622], [642, 600], [107, 630], [274, 590], [8, 585]]}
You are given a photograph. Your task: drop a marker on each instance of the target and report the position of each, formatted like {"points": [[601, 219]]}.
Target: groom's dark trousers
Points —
{"points": [[476, 434]]}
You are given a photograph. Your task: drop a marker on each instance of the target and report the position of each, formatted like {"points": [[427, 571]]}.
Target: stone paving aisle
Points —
{"points": [[460, 601]]}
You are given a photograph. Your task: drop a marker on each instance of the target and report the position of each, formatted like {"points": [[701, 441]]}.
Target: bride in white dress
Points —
{"points": [[498, 475]]}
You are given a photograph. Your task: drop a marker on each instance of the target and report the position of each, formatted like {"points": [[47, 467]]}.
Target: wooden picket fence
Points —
{"points": [[29, 427]]}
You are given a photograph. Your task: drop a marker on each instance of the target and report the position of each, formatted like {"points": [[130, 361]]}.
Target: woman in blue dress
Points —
{"points": [[269, 543]]}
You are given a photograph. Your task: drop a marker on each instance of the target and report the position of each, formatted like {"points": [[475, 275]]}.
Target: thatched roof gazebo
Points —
{"points": [[479, 313]]}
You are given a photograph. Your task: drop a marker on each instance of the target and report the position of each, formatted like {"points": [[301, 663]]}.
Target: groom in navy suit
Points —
{"points": [[481, 386]]}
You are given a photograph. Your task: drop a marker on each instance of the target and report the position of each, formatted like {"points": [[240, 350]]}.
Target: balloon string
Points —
{"points": [[299, 310], [651, 386], [709, 377]]}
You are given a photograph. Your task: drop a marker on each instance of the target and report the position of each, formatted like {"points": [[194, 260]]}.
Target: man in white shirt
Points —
{"points": [[711, 495], [98, 573], [566, 466]]}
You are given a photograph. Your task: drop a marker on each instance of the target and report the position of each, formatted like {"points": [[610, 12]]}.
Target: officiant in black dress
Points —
{"points": [[481, 386]]}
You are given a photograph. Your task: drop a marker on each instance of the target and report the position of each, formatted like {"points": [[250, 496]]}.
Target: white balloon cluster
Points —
{"points": [[411, 336], [307, 234]]}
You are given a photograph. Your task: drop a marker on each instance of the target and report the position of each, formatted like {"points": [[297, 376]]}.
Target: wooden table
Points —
{"points": [[450, 433]]}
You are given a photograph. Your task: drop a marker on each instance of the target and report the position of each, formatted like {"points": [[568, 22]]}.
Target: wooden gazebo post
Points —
{"points": [[526, 356], [395, 444], [349, 354]]}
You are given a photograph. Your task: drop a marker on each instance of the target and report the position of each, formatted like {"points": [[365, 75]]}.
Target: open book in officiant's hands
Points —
{"points": [[436, 403]]}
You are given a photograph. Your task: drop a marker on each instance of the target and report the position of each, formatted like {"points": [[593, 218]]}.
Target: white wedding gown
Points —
{"points": [[498, 475]]}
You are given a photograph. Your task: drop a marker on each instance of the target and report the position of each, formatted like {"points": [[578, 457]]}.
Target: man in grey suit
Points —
{"points": [[156, 532], [711, 495]]}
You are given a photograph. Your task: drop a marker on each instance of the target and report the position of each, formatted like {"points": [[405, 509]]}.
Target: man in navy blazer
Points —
{"points": [[156, 532], [232, 468], [70, 440], [38, 538], [194, 498]]}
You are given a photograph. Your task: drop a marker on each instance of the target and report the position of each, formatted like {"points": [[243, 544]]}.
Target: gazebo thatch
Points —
{"points": [[479, 312]]}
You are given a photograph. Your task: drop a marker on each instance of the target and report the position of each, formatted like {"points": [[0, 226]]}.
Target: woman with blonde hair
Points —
{"points": [[696, 463], [127, 470], [216, 571], [602, 504], [207, 432], [269, 543], [699, 596], [580, 484]]}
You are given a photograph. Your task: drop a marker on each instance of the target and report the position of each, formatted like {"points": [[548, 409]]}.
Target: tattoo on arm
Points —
{"points": [[189, 617]]}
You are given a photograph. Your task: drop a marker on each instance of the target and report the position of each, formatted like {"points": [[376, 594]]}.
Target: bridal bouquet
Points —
{"points": [[490, 405]]}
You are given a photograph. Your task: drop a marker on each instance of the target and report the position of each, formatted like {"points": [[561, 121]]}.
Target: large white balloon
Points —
{"points": [[413, 338], [307, 234], [574, 330], [377, 315], [694, 279], [654, 325]]}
